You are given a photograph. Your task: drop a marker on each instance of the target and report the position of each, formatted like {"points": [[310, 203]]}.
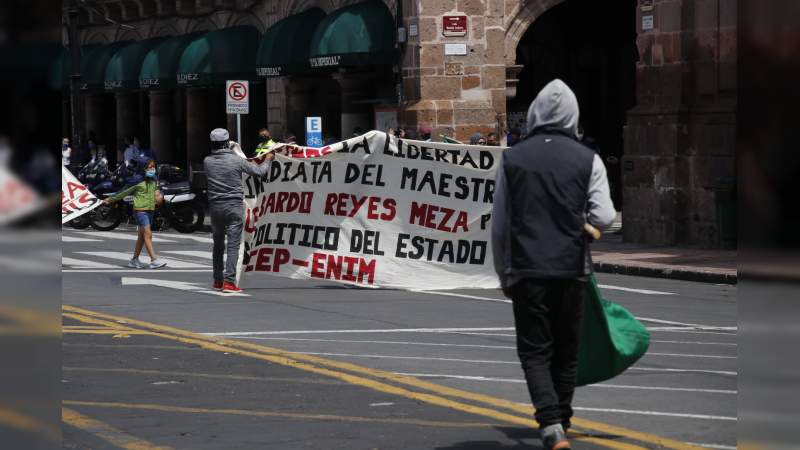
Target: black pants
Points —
{"points": [[547, 316]]}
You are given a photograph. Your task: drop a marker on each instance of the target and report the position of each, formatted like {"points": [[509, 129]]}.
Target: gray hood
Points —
{"points": [[555, 107]]}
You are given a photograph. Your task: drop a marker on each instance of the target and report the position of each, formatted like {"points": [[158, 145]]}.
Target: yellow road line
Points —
{"points": [[135, 346], [287, 415], [287, 358], [17, 420], [106, 432], [203, 375], [106, 331]]}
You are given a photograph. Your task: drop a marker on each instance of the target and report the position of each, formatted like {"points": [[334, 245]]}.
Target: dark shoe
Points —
{"points": [[218, 285], [554, 438]]}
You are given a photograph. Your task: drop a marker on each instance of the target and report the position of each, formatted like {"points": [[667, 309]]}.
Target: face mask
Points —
{"points": [[263, 138], [150, 173]]}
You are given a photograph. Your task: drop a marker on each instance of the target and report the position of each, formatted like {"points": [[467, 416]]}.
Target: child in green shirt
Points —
{"points": [[144, 204]]}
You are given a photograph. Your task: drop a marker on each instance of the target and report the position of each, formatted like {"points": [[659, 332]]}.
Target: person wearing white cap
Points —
{"points": [[224, 168]]}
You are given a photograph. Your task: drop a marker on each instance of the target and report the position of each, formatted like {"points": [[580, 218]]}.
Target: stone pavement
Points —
{"points": [[611, 255]]}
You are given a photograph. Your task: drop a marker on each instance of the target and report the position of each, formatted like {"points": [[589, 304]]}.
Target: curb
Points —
{"points": [[669, 273]]}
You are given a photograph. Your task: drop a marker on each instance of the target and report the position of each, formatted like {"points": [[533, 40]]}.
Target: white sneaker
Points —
{"points": [[134, 263], [157, 263]]}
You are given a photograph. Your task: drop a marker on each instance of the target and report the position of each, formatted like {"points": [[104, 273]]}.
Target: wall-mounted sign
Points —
{"points": [[647, 22], [454, 26], [413, 30], [269, 71], [646, 5], [314, 131], [455, 49]]}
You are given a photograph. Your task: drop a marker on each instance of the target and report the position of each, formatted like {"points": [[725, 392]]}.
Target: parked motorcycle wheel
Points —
{"points": [[106, 217], [81, 223], [187, 217]]}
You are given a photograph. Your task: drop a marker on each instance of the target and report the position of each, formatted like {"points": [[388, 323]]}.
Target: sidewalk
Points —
{"points": [[611, 255]]}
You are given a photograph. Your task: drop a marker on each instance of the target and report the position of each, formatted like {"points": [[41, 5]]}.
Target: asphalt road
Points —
{"points": [[457, 346]]}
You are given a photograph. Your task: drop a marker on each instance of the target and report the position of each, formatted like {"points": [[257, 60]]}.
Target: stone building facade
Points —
{"points": [[656, 81]]}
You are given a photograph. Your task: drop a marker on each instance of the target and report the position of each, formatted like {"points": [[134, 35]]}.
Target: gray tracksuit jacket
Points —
{"points": [[224, 170]]}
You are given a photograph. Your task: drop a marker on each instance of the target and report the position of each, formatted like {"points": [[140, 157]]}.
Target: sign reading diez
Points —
{"points": [[374, 211]]}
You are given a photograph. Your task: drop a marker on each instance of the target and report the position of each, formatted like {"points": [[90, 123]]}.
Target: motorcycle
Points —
{"points": [[181, 207]]}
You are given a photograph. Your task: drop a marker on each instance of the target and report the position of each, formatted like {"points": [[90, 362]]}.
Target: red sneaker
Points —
{"points": [[218, 285], [230, 288]]}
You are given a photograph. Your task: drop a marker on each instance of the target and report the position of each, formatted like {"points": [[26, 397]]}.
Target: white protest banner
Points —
{"points": [[76, 200], [374, 211], [17, 199]]}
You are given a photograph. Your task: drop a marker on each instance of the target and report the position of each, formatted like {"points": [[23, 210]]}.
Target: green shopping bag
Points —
{"points": [[611, 340]]}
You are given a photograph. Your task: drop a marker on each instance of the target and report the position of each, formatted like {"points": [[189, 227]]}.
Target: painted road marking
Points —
{"points": [[83, 263], [65, 238], [655, 413], [483, 361], [439, 344], [366, 331], [13, 419], [122, 236], [213, 376], [345, 371], [637, 291], [106, 432], [117, 270], [179, 285], [504, 347], [204, 240], [717, 446], [599, 385], [122, 256], [195, 253], [409, 330], [729, 344], [281, 414], [682, 355]]}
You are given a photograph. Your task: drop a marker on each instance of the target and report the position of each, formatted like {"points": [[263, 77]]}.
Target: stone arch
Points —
{"points": [[99, 37], [205, 24], [164, 31], [127, 35], [248, 18], [518, 22]]}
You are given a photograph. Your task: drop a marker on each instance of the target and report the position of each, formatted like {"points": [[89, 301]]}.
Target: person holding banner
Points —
{"points": [[144, 205], [224, 168], [549, 189]]}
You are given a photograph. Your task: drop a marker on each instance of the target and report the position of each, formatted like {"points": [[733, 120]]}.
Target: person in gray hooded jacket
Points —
{"points": [[224, 168], [548, 188]]}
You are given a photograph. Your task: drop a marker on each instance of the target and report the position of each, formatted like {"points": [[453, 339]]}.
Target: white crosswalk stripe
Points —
{"points": [[120, 235], [84, 264], [123, 256], [195, 253]]}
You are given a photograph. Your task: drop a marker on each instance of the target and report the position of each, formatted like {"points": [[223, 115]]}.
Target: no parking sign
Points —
{"points": [[237, 94]]}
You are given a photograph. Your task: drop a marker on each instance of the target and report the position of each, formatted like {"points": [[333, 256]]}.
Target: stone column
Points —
{"points": [[127, 104], [197, 125], [680, 138], [162, 126], [461, 94], [100, 113]]}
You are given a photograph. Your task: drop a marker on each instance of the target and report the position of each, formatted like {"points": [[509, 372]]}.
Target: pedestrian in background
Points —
{"points": [[514, 136], [224, 169], [145, 195], [66, 152], [477, 139], [548, 188], [491, 139]]}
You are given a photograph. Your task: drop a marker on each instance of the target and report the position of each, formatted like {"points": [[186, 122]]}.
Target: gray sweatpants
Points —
{"points": [[226, 221]]}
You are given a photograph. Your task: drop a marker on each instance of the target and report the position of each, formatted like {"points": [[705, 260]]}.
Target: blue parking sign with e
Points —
{"points": [[314, 131]]}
